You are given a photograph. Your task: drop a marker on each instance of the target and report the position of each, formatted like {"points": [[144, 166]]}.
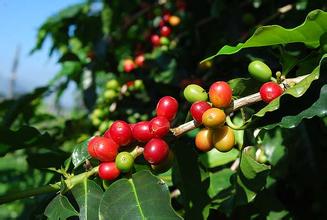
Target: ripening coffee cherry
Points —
{"points": [[174, 20], [159, 126], [193, 93], [213, 118], [197, 109], [103, 149], [260, 71], [155, 40], [165, 31], [129, 65], [167, 107], [269, 91], [108, 171], [124, 161], [156, 151], [164, 41], [121, 133], [141, 131], [139, 60], [220, 94], [223, 139], [203, 140]]}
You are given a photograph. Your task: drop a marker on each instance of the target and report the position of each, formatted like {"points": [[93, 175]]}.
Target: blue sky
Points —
{"points": [[19, 21]]}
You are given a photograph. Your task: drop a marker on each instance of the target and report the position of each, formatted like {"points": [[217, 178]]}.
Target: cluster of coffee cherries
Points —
{"points": [[160, 37], [215, 133], [110, 149]]}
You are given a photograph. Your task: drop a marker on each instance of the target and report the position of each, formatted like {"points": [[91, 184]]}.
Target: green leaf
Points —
{"points": [[308, 33], [319, 108], [60, 208], [273, 146], [88, 195], [219, 181], [215, 158], [250, 168], [296, 91], [244, 86], [22, 138], [142, 197], [80, 153]]}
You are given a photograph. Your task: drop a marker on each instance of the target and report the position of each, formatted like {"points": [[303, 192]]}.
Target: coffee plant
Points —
{"points": [[165, 127]]}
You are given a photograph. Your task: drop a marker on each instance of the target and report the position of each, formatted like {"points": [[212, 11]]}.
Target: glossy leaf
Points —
{"points": [[88, 195], [250, 168], [319, 108], [219, 181], [215, 158], [80, 153], [308, 33], [142, 197], [60, 208]]}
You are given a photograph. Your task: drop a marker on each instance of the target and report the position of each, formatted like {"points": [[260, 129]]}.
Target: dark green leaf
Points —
{"points": [[319, 108], [80, 153], [142, 197], [88, 195], [22, 138], [308, 32], [273, 146], [60, 208], [296, 91], [243, 86]]}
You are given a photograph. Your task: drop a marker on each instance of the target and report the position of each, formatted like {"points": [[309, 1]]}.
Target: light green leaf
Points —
{"points": [[219, 181], [88, 195], [80, 153], [250, 168], [60, 208], [142, 197], [215, 158], [308, 32]]}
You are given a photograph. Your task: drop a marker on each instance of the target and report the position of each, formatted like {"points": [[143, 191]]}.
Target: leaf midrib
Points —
{"points": [[136, 198]]}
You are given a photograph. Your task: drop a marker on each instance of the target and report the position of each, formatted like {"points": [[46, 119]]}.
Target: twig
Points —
{"points": [[235, 165], [234, 106]]}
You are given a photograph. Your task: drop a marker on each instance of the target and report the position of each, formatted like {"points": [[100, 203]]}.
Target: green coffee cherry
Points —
{"points": [[260, 71], [124, 161]]}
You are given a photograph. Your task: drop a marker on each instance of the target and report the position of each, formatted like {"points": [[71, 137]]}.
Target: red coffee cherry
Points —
{"points": [[269, 91], [159, 126], [197, 109], [139, 60], [220, 94], [141, 131], [129, 65], [156, 151], [155, 40], [165, 31], [167, 107], [121, 133], [103, 149], [108, 171]]}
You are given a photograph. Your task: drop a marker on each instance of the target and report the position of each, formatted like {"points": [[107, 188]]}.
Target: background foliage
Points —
{"points": [[40, 147]]}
